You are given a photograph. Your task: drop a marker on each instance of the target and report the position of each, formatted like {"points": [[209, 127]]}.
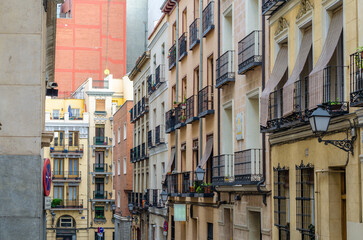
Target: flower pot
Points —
{"points": [[207, 189], [192, 189]]}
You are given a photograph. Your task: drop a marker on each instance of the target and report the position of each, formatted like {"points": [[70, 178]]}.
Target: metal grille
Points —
{"points": [[150, 143], [249, 51], [356, 79], [183, 46], [225, 68], [172, 57], [247, 165], [333, 84], [205, 99], [169, 121], [159, 75], [281, 199], [194, 33], [208, 18], [190, 107], [150, 84], [305, 201]]}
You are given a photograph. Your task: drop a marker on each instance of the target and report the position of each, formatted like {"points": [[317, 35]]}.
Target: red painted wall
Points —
{"points": [[81, 46]]}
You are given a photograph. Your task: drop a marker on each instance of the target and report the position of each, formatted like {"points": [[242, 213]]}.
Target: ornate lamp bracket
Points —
{"points": [[345, 144]]}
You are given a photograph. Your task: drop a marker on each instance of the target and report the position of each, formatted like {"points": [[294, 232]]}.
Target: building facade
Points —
{"points": [[27, 58], [315, 64], [157, 139], [122, 170], [91, 37]]}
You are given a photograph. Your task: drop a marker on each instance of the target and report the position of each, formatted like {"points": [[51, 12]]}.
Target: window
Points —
{"points": [[196, 9], [174, 33], [184, 89], [172, 228], [100, 105], [58, 192], [113, 139], [118, 167], [58, 138], [118, 200], [305, 201], [113, 168], [73, 167], [210, 231], [72, 193], [163, 168], [66, 222], [125, 131], [55, 114], [210, 73], [196, 81], [75, 113], [119, 135], [58, 166], [73, 138], [125, 167], [184, 21], [281, 202], [99, 212]]}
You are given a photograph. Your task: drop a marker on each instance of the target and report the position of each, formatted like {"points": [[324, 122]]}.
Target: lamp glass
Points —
{"points": [[164, 196], [319, 120], [200, 173]]}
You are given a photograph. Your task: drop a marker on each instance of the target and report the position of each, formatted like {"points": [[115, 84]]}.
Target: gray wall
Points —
{"points": [[136, 27]]}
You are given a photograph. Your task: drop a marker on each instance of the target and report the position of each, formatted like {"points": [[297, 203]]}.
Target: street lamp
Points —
{"points": [[319, 122], [199, 172], [164, 196]]}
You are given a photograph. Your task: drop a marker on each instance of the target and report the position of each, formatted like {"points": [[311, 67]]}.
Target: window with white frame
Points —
{"points": [[113, 169], [125, 131], [118, 200], [125, 168], [119, 167], [119, 135]]}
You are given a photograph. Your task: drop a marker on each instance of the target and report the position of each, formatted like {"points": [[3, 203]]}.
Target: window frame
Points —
{"points": [[125, 166], [119, 167]]}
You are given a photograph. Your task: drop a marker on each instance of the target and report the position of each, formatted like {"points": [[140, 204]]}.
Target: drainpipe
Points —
{"points": [[88, 178], [262, 182], [200, 75], [177, 74], [219, 92]]}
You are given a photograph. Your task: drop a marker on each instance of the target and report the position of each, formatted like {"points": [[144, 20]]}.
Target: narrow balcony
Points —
{"points": [[159, 75], [150, 142], [159, 135], [144, 152], [194, 34], [172, 57], [208, 18], [67, 176], [191, 109], [205, 101], [169, 121], [101, 113], [65, 150], [275, 110], [250, 52], [132, 117], [150, 85], [137, 153], [154, 199], [180, 116], [99, 194], [270, 6], [100, 141], [60, 204], [356, 79], [183, 51], [225, 69], [241, 168], [144, 105], [132, 157], [100, 84], [136, 199], [100, 167]]}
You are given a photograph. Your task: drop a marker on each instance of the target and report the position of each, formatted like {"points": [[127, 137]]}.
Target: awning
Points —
{"points": [[316, 76], [170, 163], [288, 91], [277, 74], [207, 152]]}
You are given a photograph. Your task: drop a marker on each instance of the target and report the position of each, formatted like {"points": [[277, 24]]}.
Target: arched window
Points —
{"points": [[66, 222]]}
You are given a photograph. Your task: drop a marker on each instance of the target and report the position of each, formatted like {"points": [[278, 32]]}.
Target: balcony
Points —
{"points": [[68, 204], [159, 135], [250, 52], [144, 105], [241, 168], [144, 152], [190, 111], [154, 199], [208, 21], [100, 141], [150, 143], [183, 51], [100, 84], [356, 80], [66, 176], [205, 102], [169, 121], [137, 200], [225, 69], [172, 57], [132, 158], [194, 34], [101, 113], [100, 167], [150, 85], [159, 75], [99, 194], [67, 151], [180, 116], [270, 6], [184, 184]]}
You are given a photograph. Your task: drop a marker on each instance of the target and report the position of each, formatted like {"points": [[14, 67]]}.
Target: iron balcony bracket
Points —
{"points": [[345, 144]]}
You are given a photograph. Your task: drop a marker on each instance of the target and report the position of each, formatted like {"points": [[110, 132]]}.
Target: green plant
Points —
{"points": [[56, 202], [99, 217], [200, 189], [359, 49]]}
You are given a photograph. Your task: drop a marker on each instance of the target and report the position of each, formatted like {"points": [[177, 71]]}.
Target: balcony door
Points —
{"points": [[100, 187], [100, 164], [100, 134], [58, 167], [73, 168], [227, 138]]}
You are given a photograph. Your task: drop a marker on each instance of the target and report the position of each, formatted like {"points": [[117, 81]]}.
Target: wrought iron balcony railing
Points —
{"points": [[180, 117], [136, 199], [208, 18], [144, 151], [144, 105], [270, 6], [150, 84], [172, 184], [225, 69], [154, 199], [194, 34], [99, 194], [65, 148], [183, 51], [100, 140], [250, 52], [66, 203], [159, 75], [191, 111], [150, 142], [169, 121], [100, 167], [172, 57], [159, 135], [205, 101], [100, 84], [356, 79], [66, 175], [132, 157]]}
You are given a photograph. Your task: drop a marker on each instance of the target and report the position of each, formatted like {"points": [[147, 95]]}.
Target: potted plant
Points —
{"points": [[182, 118], [56, 203], [200, 189], [184, 103], [192, 189], [175, 104], [335, 105], [207, 187]]}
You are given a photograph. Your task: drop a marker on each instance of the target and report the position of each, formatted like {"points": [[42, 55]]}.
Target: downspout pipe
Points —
{"points": [[219, 90], [200, 75]]}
